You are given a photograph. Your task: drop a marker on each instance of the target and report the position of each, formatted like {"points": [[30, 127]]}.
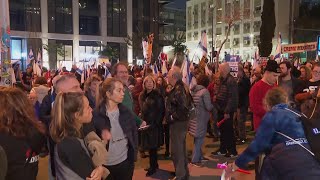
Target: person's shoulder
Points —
{"points": [[67, 143]]}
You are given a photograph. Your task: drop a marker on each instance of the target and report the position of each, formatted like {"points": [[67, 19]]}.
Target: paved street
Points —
{"points": [[207, 172]]}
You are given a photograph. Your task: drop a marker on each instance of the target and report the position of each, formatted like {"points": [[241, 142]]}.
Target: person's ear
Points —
{"points": [[108, 94]]}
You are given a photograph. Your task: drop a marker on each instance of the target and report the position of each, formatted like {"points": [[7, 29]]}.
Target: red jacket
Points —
{"points": [[256, 96]]}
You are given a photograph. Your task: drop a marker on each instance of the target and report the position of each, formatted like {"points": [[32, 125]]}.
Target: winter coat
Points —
{"points": [[227, 95], [282, 120], [244, 86], [177, 103], [201, 99], [152, 111], [127, 123]]}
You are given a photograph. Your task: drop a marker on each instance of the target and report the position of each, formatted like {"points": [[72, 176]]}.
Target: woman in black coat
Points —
{"points": [[152, 111]]}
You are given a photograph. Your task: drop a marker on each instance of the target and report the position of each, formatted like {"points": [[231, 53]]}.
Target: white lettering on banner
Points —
{"points": [[33, 159], [316, 131], [300, 140], [302, 47], [233, 68]]}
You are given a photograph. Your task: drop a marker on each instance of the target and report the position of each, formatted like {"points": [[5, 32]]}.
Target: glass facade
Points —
{"points": [[66, 59], [89, 50], [60, 16], [89, 14], [117, 18], [121, 49], [25, 15]]}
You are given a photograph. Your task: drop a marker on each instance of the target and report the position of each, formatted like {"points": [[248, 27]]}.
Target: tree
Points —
{"points": [[53, 50], [233, 15], [109, 52], [178, 43], [267, 28]]}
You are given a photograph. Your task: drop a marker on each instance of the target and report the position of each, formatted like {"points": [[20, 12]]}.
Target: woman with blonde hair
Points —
{"points": [[90, 88], [72, 158], [152, 111], [21, 135], [111, 114], [281, 137]]}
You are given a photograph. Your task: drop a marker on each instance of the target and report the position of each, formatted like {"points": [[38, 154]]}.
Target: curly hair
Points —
{"points": [[275, 96], [17, 115]]}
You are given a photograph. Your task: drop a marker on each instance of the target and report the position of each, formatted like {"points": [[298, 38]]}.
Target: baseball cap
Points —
{"points": [[272, 66]]}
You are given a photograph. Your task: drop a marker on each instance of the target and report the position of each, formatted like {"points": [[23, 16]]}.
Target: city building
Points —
{"points": [[80, 26], [210, 16], [173, 24], [145, 21]]}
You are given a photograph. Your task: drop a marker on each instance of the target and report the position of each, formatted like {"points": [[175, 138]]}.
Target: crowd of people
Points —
{"points": [[96, 130]]}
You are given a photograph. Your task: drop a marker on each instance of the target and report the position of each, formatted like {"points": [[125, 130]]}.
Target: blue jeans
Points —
{"points": [[197, 152]]}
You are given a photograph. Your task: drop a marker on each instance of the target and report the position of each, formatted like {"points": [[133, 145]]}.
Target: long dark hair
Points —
{"points": [[17, 115]]}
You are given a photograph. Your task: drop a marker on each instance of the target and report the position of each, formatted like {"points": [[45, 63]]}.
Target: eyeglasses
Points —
{"points": [[316, 72]]}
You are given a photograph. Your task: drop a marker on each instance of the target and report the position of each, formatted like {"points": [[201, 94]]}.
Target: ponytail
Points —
{"points": [[58, 118], [99, 94], [63, 122]]}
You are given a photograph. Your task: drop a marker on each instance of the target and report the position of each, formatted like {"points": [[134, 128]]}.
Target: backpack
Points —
{"points": [[310, 119], [311, 125]]}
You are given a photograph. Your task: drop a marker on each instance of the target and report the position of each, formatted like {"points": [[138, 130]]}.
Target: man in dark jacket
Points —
{"points": [[243, 90], [227, 101], [289, 83], [177, 115]]}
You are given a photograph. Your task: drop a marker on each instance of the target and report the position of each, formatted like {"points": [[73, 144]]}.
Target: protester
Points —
{"points": [[120, 71], [286, 159], [260, 89], [72, 158], [289, 83], [62, 84], [310, 87], [256, 75], [152, 111], [177, 105], [305, 73], [198, 125], [161, 85], [111, 115], [227, 102], [21, 135], [243, 104], [40, 88], [166, 125], [90, 88]]}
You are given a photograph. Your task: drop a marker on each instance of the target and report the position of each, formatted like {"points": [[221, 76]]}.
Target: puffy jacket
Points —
{"points": [[227, 95], [278, 119], [201, 99]]}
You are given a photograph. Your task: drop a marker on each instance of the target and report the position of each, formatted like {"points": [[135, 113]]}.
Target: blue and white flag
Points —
{"points": [[277, 56], [186, 74], [203, 43], [30, 57], [35, 65], [155, 69], [107, 73]]}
